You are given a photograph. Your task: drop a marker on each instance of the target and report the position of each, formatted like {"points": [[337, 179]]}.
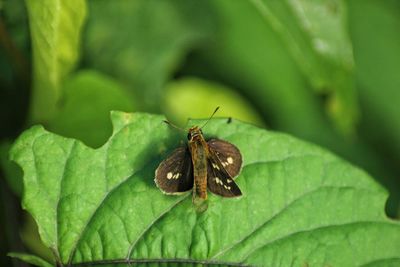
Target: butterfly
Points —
{"points": [[202, 164]]}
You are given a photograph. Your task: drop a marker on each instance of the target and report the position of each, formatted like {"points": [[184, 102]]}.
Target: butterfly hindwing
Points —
{"points": [[228, 154], [174, 175]]}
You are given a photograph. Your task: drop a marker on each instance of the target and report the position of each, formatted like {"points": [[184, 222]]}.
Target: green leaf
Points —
{"points": [[315, 33], [152, 39], [55, 27], [32, 259], [198, 98], [301, 205], [84, 111], [250, 54]]}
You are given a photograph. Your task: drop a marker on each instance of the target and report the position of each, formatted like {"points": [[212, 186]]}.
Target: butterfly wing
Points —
{"points": [[174, 175], [224, 163], [219, 182], [228, 154]]}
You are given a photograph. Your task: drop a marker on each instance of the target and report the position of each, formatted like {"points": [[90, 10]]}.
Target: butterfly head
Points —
{"points": [[194, 133]]}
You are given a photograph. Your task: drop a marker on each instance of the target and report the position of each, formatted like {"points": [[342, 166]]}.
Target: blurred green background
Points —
{"points": [[325, 71]]}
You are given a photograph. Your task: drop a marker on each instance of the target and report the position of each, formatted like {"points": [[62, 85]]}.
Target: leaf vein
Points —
{"points": [[133, 245], [108, 193], [73, 145], [277, 215], [323, 227]]}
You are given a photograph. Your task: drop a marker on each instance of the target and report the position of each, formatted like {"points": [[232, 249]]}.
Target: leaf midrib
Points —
{"points": [[73, 146]]}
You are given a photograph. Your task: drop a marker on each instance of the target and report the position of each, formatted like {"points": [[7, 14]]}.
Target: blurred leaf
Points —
{"points": [[55, 27], [315, 33], [142, 42], [196, 98], [16, 19], [12, 172], [84, 110], [14, 67], [378, 65], [30, 237], [252, 56], [32, 259], [98, 205]]}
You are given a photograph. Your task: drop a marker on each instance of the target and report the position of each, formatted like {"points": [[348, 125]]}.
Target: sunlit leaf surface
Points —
{"points": [[301, 205]]}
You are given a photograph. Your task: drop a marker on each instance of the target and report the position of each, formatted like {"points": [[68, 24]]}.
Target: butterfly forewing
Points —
{"points": [[224, 163], [228, 154], [175, 174], [220, 182]]}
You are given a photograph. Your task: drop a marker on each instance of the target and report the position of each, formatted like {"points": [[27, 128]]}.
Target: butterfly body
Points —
{"points": [[202, 164], [199, 154]]}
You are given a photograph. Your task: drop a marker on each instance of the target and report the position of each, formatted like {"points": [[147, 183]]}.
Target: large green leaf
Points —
{"points": [[301, 205], [55, 27]]}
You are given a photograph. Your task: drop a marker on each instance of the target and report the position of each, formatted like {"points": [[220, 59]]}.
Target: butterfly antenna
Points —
{"points": [[174, 126], [210, 117]]}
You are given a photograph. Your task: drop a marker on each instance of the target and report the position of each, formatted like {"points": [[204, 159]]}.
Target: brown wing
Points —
{"points": [[219, 180], [174, 175], [224, 163], [228, 154]]}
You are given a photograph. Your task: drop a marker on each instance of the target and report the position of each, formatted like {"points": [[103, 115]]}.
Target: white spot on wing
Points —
{"points": [[169, 175], [215, 166], [218, 181], [176, 176], [230, 160]]}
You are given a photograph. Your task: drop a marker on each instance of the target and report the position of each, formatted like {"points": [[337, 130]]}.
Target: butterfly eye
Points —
{"points": [[189, 136]]}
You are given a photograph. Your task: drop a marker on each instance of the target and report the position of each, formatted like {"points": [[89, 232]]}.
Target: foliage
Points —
{"points": [[55, 29], [323, 71], [295, 194]]}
